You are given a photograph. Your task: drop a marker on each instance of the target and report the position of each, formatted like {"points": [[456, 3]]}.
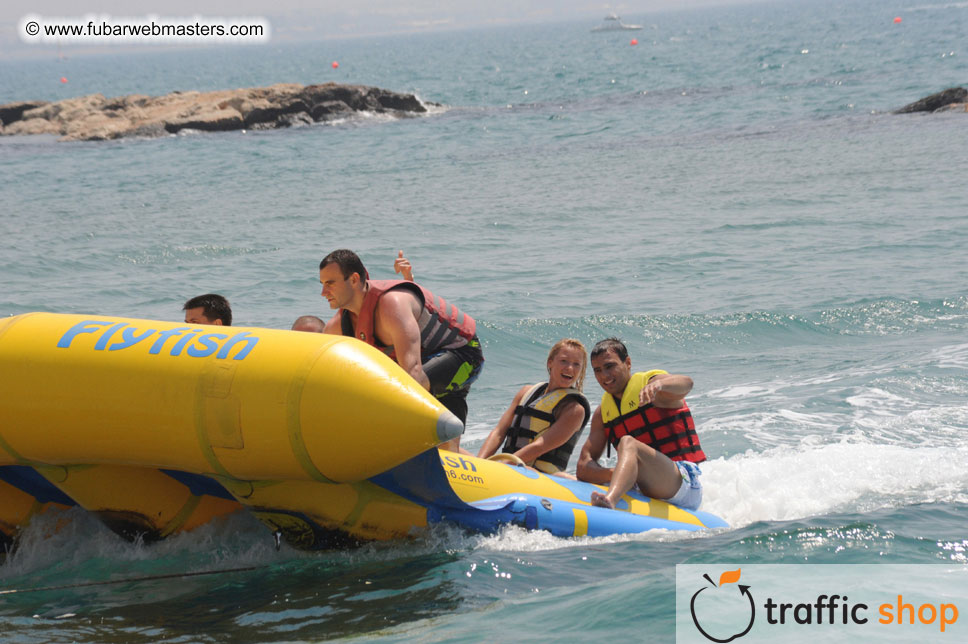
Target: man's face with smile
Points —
{"points": [[611, 373]]}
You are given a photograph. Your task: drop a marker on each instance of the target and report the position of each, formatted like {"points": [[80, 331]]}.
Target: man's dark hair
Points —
{"points": [[611, 344], [348, 262], [214, 306]]}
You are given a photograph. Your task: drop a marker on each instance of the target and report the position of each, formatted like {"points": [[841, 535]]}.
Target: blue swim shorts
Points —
{"points": [[689, 495]]}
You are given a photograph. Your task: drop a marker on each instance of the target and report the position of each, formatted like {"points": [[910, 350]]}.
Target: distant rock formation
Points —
{"points": [[953, 99], [96, 118]]}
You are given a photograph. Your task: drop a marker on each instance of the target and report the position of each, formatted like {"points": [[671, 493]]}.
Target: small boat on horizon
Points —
{"points": [[613, 23]]}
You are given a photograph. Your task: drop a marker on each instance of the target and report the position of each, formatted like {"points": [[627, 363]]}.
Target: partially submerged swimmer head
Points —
{"points": [[309, 323]]}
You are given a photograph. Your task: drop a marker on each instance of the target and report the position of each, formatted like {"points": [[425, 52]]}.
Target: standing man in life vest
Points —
{"points": [[645, 417], [434, 341]]}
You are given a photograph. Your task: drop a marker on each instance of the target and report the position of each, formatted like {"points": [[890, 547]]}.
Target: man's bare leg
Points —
{"points": [[637, 463]]}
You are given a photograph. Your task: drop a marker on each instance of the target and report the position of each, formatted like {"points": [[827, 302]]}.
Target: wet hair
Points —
{"points": [[610, 344], [348, 262], [214, 306], [574, 344], [308, 323]]}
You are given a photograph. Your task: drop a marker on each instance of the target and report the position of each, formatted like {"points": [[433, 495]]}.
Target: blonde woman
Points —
{"points": [[542, 425]]}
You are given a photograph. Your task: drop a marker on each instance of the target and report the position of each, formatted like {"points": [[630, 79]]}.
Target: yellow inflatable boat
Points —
{"points": [[158, 427]]}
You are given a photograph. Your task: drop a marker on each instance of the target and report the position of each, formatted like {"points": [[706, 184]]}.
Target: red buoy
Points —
{"points": [[634, 42], [897, 19], [63, 79], [335, 64]]}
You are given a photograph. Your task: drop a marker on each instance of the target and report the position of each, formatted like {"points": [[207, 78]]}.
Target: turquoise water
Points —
{"points": [[731, 196]]}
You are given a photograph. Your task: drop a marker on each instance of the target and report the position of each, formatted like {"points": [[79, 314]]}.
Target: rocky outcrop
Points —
{"points": [[96, 118], [13, 111], [951, 99]]}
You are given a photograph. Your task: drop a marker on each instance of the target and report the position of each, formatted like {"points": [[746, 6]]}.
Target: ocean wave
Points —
{"points": [[936, 7], [874, 318], [780, 223], [168, 254], [783, 484]]}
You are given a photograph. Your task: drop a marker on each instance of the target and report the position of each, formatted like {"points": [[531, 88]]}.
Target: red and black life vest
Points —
{"points": [[670, 431], [442, 325]]}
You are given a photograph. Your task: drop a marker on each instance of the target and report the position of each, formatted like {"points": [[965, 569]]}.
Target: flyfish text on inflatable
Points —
{"points": [[194, 342]]}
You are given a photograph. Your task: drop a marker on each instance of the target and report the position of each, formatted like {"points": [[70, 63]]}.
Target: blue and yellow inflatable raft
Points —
{"points": [[158, 427]]}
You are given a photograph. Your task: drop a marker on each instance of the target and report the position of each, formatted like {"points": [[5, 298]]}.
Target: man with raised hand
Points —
{"points": [[645, 417], [432, 340]]}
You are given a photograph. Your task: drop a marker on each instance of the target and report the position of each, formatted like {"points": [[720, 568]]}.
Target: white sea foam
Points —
{"points": [[805, 420], [66, 538], [768, 429], [518, 539], [951, 357], [878, 401], [742, 391], [783, 484]]}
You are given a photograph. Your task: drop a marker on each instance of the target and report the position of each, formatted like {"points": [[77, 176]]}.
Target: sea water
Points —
{"points": [[731, 196]]}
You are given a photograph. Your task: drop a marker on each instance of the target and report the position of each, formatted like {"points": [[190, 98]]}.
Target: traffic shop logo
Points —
{"points": [[728, 591]]}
